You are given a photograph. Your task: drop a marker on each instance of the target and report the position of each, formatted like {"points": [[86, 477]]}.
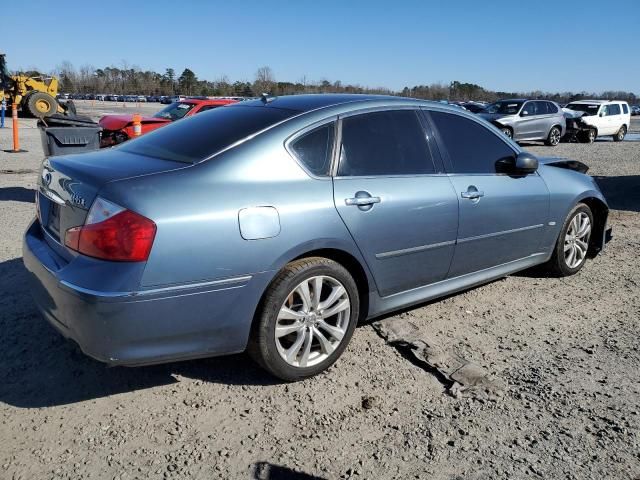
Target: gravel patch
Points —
{"points": [[566, 350]]}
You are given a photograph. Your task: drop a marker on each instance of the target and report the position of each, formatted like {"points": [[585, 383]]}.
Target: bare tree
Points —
{"points": [[265, 81]]}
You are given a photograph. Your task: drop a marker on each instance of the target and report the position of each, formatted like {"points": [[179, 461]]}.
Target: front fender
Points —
{"points": [[566, 189]]}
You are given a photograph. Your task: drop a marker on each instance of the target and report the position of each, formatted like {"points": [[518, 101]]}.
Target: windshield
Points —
{"points": [[175, 111], [587, 108], [504, 107], [202, 135]]}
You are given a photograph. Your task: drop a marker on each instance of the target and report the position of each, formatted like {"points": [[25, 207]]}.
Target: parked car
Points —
{"points": [[119, 128], [635, 109], [527, 120], [277, 224], [173, 98], [603, 118], [474, 107]]}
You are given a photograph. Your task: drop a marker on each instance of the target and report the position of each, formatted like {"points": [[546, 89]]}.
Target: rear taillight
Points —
{"points": [[111, 232]]}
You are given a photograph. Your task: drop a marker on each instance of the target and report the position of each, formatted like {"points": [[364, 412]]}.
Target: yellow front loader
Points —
{"points": [[35, 95]]}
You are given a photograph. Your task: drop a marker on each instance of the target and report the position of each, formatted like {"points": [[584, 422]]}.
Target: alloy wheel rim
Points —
{"points": [[555, 136], [576, 240], [592, 135], [621, 134], [312, 321]]}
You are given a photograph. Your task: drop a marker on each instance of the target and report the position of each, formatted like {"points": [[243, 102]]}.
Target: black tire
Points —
{"points": [[557, 265], [262, 344], [40, 104], [553, 139], [618, 137], [589, 136]]}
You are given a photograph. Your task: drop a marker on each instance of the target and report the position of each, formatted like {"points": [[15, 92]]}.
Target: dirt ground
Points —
{"points": [[566, 349]]}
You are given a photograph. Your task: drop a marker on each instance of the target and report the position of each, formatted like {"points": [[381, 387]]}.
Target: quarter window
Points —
{"points": [[625, 109], [314, 149], [552, 107], [384, 143], [472, 147]]}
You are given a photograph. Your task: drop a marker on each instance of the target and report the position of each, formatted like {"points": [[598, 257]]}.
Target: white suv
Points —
{"points": [[605, 117]]}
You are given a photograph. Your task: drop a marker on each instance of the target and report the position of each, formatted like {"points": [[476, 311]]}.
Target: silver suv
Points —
{"points": [[524, 120]]}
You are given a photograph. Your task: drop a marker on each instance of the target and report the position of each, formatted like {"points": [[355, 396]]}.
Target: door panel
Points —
{"points": [[506, 223], [408, 237]]}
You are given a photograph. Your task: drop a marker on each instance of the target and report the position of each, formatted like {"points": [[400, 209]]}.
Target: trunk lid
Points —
{"points": [[68, 185]]}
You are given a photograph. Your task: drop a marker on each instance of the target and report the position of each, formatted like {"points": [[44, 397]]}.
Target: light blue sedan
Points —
{"points": [[275, 225]]}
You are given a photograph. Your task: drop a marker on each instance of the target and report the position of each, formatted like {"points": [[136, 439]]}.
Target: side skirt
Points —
{"points": [[381, 305]]}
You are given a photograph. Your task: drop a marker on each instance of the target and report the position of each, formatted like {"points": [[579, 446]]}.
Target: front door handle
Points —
{"points": [[362, 201], [472, 193]]}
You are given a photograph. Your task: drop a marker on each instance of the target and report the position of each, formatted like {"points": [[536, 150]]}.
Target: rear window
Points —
{"points": [[196, 138]]}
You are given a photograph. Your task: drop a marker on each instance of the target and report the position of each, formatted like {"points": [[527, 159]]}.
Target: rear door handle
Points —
{"points": [[362, 201]]}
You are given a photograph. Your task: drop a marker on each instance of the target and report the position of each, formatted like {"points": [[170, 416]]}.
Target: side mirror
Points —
{"points": [[523, 164], [602, 114], [526, 163], [524, 113]]}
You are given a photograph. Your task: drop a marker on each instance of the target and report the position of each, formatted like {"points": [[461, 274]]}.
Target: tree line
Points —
{"points": [[131, 80]]}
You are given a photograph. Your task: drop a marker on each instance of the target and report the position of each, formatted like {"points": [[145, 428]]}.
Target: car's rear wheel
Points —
{"points": [[572, 246], [507, 131], [306, 320], [554, 136], [619, 136]]}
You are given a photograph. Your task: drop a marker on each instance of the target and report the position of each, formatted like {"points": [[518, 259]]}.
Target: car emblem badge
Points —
{"points": [[77, 200]]}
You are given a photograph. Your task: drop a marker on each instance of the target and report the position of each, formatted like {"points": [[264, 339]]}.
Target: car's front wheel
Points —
{"points": [[619, 136], [554, 136], [307, 318], [572, 246], [507, 131], [589, 136]]}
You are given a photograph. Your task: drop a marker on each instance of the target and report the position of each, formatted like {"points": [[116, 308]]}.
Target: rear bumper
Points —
{"points": [[146, 326]]}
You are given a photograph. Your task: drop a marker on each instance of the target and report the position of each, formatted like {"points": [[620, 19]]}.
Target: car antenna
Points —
{"points": [[266, 98]]}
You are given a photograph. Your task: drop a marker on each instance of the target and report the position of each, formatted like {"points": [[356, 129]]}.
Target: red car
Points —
{"points": [[119, 128]]}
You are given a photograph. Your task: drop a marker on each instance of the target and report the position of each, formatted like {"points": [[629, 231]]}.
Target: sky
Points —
{"points": [[566, 45]]}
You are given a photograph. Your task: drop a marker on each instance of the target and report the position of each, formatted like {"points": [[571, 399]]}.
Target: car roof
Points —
{"points": [[208, 101], [598, 102], [308, 102]]}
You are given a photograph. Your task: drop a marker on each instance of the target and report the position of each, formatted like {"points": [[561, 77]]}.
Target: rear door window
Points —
{"points": [[472, 147], [384, 143], [314, 149], [541, 108], [614, 109]]}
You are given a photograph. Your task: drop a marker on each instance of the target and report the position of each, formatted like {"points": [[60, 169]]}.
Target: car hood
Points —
{"points": [[118, 122], [493, 116], [564, 163]]}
